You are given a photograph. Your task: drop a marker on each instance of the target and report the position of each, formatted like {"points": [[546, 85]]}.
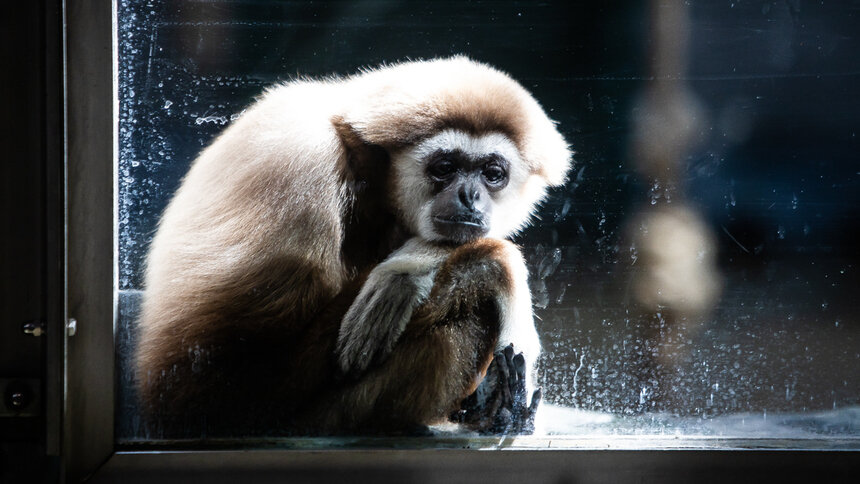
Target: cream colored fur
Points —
{"points": [[271, 189]]}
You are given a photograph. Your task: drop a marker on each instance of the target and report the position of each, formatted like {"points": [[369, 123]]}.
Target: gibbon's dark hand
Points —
{"points": [[499, 404], [376, 319]]}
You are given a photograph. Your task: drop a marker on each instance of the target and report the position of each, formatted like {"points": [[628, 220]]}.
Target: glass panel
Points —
{"points": [[690, 279]]}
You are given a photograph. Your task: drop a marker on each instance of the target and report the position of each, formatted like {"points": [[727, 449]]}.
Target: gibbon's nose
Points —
{"points": [[469, 194]]}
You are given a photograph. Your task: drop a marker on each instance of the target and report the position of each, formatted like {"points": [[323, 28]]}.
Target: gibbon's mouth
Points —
{"points": [[453, 221], [460, 229]]}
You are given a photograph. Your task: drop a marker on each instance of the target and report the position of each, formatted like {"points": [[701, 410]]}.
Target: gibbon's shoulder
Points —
{"points": [[398, 105]]}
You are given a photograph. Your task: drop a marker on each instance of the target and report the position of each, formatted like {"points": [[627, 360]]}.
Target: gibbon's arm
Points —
{"points": [[445, 349], [398, 286], [385, 304]]}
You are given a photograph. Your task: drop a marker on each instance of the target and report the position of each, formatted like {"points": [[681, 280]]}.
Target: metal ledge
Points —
{"points": [[485, 443], [451, 466]]}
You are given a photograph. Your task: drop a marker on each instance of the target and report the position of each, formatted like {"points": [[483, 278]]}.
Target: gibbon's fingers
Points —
{"points": [[487, 422], [509, 353], [503, 361], [385, 304], [500, 417], [518, 365], [375, 320], [505, 410], [487, 409], [524, 423], [516, 370], [536, 398]]}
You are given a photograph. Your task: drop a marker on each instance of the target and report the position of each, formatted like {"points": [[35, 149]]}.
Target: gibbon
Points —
{"points": [[335, 261]]}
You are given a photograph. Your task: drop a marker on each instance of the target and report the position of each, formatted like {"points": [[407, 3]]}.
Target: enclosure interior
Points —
{"points": [[769, 178]]}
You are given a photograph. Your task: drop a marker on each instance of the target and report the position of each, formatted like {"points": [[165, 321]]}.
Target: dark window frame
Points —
{"points": [[80, 372]]}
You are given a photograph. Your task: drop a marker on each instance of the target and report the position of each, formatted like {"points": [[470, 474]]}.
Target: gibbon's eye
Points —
{"points": [[494, 173], [441, 169]]}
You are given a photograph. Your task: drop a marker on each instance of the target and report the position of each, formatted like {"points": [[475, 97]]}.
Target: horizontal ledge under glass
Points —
{"points": [[525, 443]]}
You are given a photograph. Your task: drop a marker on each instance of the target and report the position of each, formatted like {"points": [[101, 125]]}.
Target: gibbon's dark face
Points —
{"points": [[457, 187], [463, 187]]}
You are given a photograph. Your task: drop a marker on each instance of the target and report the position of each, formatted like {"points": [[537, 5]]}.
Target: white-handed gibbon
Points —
{"points": [[336, 262]]}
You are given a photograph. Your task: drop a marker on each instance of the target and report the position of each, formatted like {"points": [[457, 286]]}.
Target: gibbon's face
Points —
{"points": [[456, 187]]}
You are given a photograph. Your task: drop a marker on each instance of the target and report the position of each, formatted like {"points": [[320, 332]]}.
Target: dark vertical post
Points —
{"points": [[89, 422]]}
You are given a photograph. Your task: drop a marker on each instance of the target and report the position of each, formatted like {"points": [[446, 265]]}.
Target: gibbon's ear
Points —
{"points": [[364, 161]]}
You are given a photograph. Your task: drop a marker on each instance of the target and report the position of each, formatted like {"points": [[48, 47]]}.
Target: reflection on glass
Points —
{"points": [[696, 276]]}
